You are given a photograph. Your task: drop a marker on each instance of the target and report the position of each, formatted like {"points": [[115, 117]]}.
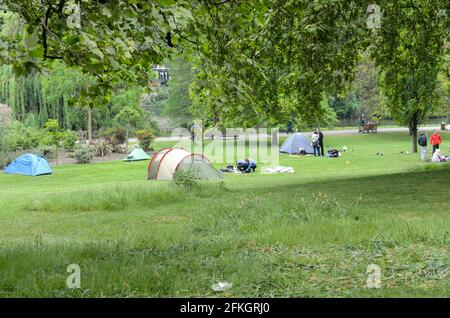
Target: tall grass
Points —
{"points": [[120, 197], [308, 234], [113, 198]]}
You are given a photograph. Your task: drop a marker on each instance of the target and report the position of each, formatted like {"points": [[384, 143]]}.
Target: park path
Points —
{"points": [[325, 132]]}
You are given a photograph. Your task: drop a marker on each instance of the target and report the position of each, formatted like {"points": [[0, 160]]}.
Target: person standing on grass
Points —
{"points": [[320, 141], [315, 143], [422, 141], [435, 140]]}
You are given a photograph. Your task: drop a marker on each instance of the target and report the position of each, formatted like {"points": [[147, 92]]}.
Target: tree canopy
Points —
{"points": [[254, 61]]}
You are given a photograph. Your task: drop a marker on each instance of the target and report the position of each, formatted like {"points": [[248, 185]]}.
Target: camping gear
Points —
{"points": [[29, 165], [136, 155], [167, 161], [279, 169], [422, 141], [295, 142], [229, 168], [333, 153]]}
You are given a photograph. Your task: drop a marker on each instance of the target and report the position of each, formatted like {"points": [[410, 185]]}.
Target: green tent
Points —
{"points": [[136, 155]]}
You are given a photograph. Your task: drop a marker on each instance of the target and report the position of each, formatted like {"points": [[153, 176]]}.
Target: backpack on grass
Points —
{"points": [[422, 141]]}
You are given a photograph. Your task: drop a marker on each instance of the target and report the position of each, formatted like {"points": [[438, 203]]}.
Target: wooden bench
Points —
{"points": [[369, 127], [214, 133], [234, 136]]}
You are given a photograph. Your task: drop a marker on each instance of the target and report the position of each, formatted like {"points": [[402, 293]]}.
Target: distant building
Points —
{"points": [[163, 76]]}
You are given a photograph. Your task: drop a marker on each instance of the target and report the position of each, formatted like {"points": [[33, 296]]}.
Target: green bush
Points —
{"points": [[83, 154], [54, 135], [102, 148], [20, 137], [48, 152], [2, 138], [145, 138], [114, 136], [69, 140], [6, 157], [52, 125], [186, 180], [107, 133]]}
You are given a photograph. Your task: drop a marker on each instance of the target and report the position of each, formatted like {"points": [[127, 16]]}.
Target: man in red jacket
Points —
{"points": [[435, 140]]}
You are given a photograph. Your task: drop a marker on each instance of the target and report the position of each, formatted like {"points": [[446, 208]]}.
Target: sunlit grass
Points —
{"points": [[312, 233]]}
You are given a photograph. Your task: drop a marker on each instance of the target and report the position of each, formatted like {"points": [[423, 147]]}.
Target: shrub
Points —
{"points": [[102, 148], [107, 133], [19, 137], [3, 131], [186, 180], [5, 115], [48, 152], [145, 138], [69, 140], [150, 123], [114, 136], [52, 125], [6, 157], [119, 148], [54, 135], [120, 134], [83, 154]]}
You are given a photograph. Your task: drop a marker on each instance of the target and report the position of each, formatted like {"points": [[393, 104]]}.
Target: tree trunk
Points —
{"points": [[90, 125], [414, 137], [274, 139], [126, 141], [413, 132]]}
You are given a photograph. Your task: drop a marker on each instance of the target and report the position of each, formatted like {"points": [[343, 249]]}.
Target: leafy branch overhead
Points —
{"points": [[253, 61], [111, 40]]}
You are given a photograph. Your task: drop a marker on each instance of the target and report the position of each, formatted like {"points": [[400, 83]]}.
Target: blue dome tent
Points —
{"points": [[29, 165], [296, 141]]}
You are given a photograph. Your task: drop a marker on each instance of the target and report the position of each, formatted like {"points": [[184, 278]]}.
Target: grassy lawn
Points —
{"points": [[308, 234]]}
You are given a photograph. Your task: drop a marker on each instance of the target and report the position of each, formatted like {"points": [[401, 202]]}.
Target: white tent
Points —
{"points": [[167, 161]]}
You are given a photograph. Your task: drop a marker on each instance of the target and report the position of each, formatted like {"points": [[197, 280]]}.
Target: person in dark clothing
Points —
{"points": [[362, 120], [315, 143], [193, 132], [289, 127], [422, 141], [246, 165], [322, 152]]}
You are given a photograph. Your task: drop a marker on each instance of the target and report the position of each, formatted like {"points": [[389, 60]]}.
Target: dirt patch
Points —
{"points": [[65, 159]]}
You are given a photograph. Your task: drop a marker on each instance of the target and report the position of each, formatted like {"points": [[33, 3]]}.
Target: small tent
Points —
{"points": [[296, 141], [136, 155], [167, 161], [29, 165]]}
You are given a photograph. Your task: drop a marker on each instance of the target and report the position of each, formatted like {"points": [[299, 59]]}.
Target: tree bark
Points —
{"points": [[414, 137], [126, 140], [413, 132], [90, 125]]}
